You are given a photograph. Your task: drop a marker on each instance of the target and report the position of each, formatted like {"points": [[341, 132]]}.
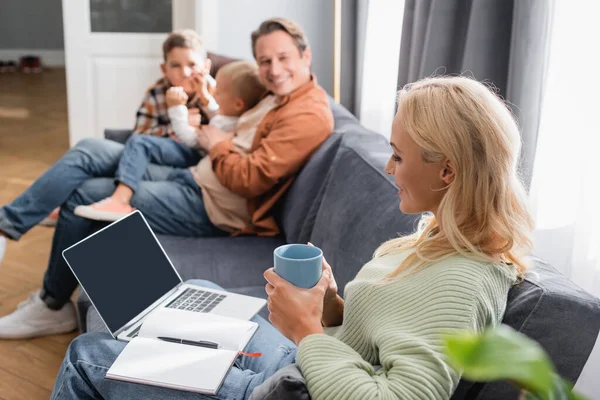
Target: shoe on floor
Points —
{"points": [[33, 318], [25, 64], [104, 210], [36, 64], [51, 219]]}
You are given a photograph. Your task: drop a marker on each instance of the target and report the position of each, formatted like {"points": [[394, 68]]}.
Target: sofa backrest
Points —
{"points": [[294, 208], [217, 61]]}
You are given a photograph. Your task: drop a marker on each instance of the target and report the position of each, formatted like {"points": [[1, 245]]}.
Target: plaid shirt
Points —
{"points": [[152, 117]]}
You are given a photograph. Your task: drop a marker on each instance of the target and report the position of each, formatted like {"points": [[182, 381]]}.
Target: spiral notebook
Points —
{"points": [[196, 368]]}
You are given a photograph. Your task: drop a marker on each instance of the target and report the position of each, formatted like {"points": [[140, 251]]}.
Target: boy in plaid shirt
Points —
{"points": [[152, 117], [185, 59], [185, 67], [154, 140]]}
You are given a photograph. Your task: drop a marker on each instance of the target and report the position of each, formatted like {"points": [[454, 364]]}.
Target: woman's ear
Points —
{"points": [[448, 173]]}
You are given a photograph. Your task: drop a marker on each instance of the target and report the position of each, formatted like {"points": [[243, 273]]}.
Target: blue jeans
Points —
{"points": [[141, 150], [90, 158], [169, 198], [90, 356]]}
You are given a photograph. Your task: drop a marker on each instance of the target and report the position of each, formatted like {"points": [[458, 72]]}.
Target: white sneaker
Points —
{"points": [[2, 247], [33, 318]]}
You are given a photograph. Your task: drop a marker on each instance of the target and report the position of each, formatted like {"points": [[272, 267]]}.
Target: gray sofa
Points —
{"points": [[343, 202]]}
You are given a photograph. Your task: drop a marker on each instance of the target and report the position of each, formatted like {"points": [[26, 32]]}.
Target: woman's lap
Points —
{"points": [[267, 340], [92, 355]]}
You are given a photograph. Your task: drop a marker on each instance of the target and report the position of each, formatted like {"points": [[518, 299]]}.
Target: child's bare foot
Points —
{"points": [[108, 209]]}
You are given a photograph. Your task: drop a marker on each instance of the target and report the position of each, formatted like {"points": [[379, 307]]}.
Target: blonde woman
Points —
{"points": [[455, 149]]}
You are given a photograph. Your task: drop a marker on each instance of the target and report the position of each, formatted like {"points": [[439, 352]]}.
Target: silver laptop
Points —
{"points": [[127, 275]]}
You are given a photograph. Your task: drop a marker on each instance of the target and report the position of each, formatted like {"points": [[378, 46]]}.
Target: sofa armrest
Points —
{"points": [[117, 135]]}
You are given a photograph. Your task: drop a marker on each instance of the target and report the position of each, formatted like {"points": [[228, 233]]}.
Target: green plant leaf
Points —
{"points": [[565, 388], [501, 354], [525, 395]]}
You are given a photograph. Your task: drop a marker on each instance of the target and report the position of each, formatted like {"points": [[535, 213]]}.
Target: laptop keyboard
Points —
{"points": [[191, 300], [196, 300]]}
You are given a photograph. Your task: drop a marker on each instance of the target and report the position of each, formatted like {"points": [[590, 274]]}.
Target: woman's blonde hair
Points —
{"points": [[483, 215]]}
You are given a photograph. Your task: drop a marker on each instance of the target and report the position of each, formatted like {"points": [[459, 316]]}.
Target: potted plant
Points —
{"points": [[505, 354]]}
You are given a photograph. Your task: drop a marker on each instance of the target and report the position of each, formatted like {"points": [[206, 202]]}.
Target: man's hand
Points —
{"points": [[209, 136], [176, 96], [194, 117]]}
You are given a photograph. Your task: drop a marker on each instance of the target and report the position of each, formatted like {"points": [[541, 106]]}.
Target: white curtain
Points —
{"points": [[379, 65], [565, 189]]}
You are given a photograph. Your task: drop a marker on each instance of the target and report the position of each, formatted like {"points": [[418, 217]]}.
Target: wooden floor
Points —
{"points": [[33, 134]]}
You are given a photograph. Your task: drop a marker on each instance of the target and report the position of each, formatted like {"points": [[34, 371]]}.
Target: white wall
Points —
{"points": [[31, 24], [227, 24], [32, 27]]}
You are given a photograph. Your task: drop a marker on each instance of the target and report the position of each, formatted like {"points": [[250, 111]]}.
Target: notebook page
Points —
{"points": [[230, 333], [177, 366]]}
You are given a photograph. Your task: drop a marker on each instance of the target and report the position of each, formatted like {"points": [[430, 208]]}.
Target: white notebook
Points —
{"points": [[152, 361]]}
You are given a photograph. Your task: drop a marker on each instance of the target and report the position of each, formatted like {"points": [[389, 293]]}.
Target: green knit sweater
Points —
{"points": [[390, 343]]}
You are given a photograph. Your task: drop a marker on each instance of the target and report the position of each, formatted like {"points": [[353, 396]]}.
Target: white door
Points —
{"points": [[112, 55]]}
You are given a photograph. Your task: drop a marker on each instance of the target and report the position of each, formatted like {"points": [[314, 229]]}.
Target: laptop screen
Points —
{"points": [[123, 269]]}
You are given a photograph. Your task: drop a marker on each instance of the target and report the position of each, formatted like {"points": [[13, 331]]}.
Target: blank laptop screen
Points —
{"points": [[123, 270]]}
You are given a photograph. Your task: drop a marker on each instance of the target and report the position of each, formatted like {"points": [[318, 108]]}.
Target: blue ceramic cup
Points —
{"points": [[299, 264]]}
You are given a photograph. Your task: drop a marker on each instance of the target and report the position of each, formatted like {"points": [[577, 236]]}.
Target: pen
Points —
{"points": [[200, 343]]}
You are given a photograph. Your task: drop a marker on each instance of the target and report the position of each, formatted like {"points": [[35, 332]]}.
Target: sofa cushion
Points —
{"points": [[118, 135], [227, 261], [292, 210], [217, 61]]}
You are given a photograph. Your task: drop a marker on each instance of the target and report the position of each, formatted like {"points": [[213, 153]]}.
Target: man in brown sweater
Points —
{"points": [[295, 124], [287, 135]]}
